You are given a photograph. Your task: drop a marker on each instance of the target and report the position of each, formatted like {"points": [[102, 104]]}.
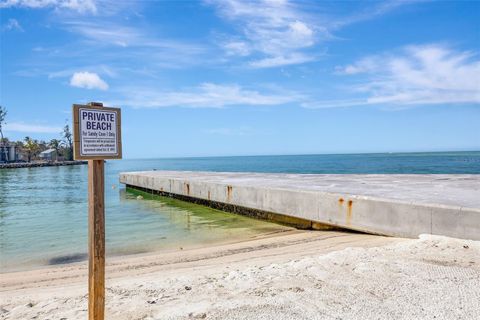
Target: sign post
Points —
{"points": [[97, 136]]}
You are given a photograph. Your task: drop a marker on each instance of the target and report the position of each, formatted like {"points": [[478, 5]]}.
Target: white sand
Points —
{"points": [[296, 275]]}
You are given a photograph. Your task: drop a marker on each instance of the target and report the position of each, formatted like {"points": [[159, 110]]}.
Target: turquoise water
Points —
{"points": [[43, 211], [432, 162], [43, 219]]}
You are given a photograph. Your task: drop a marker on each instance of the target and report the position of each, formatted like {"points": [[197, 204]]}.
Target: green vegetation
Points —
{"points": [[3, 116], [29, 148], [67, 136], [170, 201], [208, 215], [56, 145], [211, 216]]}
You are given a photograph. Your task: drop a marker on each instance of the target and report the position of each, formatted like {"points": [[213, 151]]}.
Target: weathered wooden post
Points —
{"points": [[97, 136], [96, 240]]}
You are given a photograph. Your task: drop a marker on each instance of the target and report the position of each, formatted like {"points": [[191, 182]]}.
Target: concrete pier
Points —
{"points": [[394, 205]]}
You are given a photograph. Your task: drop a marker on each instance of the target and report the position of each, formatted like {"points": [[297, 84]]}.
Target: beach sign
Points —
{"points": [[96, 137], [97, 132]]}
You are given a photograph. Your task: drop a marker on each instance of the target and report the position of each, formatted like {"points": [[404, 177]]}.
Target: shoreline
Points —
{"points": [[292, 275], [267, 245], [18, 165], [135, 256]]}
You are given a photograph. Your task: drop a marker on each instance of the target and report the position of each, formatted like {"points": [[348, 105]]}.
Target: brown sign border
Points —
{"points": [[76, 133]]}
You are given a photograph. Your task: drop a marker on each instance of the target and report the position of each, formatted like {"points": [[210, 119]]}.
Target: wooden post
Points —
{"points": [[96, 143], [96, 240]]}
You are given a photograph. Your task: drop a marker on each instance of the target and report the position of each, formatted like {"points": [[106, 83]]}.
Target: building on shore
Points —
{"points": [[49, 155], [9, 152]]}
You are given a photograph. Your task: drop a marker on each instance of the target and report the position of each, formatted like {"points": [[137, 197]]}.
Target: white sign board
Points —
{"points": [[97, 132]]}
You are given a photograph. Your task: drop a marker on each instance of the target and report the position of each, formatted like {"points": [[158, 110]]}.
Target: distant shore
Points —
{"points": [[16, 165]]}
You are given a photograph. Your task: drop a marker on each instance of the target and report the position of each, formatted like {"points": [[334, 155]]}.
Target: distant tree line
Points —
{"points": [[31, 148]]}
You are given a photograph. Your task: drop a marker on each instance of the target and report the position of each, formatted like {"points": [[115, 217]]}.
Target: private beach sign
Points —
{"points": [[97, 132], [96, 137]]}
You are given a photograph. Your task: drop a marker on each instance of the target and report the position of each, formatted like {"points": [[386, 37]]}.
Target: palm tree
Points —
{"points": [[19, 144], [3, 115], [42, 144], [31, 147], [55, 144], [67, 135]]}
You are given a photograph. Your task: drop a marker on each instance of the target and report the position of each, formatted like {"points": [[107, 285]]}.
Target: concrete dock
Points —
{"points": [[394, 205]]}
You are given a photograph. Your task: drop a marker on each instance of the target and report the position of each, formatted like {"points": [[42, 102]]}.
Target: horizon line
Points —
{"points": [[300, 154]]}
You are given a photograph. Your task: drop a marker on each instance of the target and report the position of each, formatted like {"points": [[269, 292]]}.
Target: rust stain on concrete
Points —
{"points": [[229, 193], [349, 212]]}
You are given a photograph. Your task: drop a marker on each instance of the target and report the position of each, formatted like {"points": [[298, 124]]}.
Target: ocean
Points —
{"points": [[43, 211]]}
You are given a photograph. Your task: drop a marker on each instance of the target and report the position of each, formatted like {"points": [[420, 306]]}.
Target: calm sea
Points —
{"points": [[43, 212]]}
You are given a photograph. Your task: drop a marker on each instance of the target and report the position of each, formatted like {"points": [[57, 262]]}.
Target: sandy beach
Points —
{"points": [[239, 160], [287, 275]]}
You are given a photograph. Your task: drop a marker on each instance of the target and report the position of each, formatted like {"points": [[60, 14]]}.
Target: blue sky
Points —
{"points": [[231, 77]]}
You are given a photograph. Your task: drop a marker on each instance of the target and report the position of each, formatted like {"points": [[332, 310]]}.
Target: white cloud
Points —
{"points": [[239, 48], [369, 12], [105, 33], [101, 69], [101, 33], [294, 58], [207, 95], [429, 74], [276, 33], [137, 44], [81, 6], [31, 128], [12, 24], [274, 29], [88, 80], [300, 30], [326, 104], [361, 66]]}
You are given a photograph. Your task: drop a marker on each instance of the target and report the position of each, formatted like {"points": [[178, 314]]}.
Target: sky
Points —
{"points": [[233, 77]]}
